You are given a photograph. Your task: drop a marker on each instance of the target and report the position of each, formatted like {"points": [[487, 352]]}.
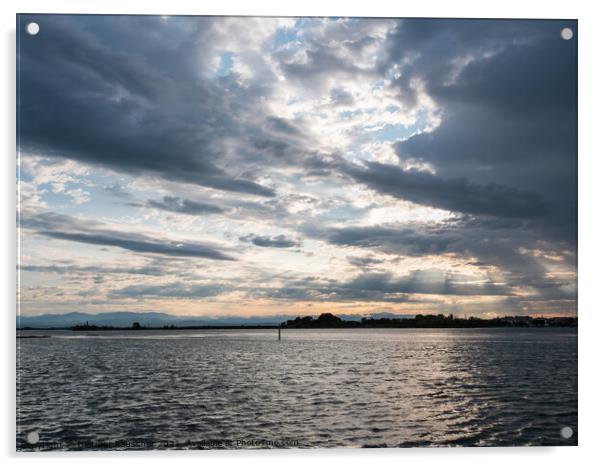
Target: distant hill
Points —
{"points": [[146, 319], [157, 319]]}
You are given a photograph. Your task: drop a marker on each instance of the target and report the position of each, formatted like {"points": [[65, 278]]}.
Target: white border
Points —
{"points": [[590, 167]]}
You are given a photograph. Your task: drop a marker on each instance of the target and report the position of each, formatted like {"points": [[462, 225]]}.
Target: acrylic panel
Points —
{"points": [[263, 232]]}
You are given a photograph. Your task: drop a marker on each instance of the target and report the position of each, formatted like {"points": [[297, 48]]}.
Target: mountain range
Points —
{"points": [[159, 319]]}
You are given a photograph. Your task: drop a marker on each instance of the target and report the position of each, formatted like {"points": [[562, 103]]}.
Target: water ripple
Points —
{"points": [[318, 388]]}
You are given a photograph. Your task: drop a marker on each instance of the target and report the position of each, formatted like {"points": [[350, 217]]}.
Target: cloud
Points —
{"points": [[334, 294], [386, 287], [435, 51], [117, 190], [324, 129], [507, 94], [64, 227], [457, 195], [496, 244], [279, 241], [281, 125], [332, 51], [184, 206], [75, 269], [132, 105], [394, 240], [169, 290], [363, 262], [140, 243], [426, 281]]}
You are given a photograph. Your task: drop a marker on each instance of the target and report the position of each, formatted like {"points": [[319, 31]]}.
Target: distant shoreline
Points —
{"points": [[330, 321], [112, 328]]}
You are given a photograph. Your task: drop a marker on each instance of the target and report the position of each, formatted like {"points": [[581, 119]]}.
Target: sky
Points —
{"points": [[232, 166]]}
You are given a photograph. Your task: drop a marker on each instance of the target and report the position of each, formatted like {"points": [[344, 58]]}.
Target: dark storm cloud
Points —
{"points": [[170, 290], [458, 194], [507, 91], [279, 241], [405, 241], [431, 49], [68, 228], [140, 243], [184, 206], [129, 97]]}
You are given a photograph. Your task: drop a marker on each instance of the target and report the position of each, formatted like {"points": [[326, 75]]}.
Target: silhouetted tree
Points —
{"points": [[328, 320]]}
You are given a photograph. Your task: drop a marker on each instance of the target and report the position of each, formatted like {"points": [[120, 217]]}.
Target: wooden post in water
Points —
{"points": [[278, 333]]}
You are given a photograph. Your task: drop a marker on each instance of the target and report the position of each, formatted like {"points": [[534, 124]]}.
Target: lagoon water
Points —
{"points": [[315, 388]]}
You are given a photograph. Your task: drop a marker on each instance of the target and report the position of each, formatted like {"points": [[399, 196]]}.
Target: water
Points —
{"points": [[315, 388]]}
